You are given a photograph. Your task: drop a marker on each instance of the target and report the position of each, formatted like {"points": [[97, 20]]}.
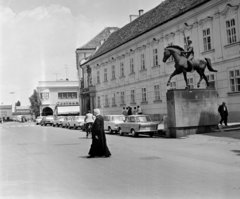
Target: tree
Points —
{"points": [[35, 103], [18, 103]]}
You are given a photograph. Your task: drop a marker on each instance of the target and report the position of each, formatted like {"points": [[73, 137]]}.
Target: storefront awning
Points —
{"points": [[68, 110]]}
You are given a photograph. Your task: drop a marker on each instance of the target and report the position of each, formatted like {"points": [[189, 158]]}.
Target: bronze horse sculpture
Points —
{"points": [[184, 65]]}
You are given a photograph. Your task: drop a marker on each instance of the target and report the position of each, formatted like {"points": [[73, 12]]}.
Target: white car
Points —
{"points": [[111, 122], [38, 120], [58, 121], [76, 122]]}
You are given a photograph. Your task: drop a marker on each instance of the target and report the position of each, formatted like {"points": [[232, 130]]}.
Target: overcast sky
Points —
{"points": [[38, 38]]}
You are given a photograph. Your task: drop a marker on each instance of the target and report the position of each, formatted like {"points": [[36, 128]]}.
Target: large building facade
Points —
{"points": [[6, 112], [61, 93], [82, 54], [127, 69]]}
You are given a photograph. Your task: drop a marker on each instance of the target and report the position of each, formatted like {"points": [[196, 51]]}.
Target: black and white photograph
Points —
{"points": [[110, 99]]}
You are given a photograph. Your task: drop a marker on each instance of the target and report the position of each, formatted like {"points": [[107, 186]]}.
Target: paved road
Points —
{"points": [[48, 162]]}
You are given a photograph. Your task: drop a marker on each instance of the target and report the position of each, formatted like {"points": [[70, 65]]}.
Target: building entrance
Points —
{"points": [[47, 111]]}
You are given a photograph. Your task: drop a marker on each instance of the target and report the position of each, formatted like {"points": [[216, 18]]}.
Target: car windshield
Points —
{"points": [[118, 118], [143, 119]]}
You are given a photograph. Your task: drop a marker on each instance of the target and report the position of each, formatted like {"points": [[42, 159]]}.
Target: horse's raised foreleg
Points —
{"points": [[185, 78], [176, 72]]}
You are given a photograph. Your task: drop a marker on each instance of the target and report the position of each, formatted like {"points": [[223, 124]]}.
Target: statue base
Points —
{"points": [[191, 111]]}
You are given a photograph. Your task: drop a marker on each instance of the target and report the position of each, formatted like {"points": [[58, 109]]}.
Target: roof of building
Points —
{"points": [[159, 15], [5, 106], [96, 41], [22, 107]]}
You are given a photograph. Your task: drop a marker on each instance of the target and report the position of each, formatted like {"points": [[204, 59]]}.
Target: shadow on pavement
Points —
{"points": [[237, 152], [226, 134]]}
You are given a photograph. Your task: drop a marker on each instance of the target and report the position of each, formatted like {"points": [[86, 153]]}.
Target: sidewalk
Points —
{"points": [[231, 127]]}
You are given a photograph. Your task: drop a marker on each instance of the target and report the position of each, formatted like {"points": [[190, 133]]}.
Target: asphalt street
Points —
{"points": [[50, 162]]}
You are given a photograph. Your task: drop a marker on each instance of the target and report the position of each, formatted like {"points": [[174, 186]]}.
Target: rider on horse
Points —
{"points": [[189, 54]]}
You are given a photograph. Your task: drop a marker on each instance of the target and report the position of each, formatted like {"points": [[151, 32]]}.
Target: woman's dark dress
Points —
{"points": [[99, 146]]}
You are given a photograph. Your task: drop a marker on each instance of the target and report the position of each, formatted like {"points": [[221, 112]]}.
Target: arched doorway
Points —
{"points": [[47, 111]]}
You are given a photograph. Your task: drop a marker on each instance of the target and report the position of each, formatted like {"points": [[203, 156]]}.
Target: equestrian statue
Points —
{"points": [[185, 62]]}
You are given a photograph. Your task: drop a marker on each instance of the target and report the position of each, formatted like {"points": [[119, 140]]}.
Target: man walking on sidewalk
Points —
{"points": [[222, 109]]}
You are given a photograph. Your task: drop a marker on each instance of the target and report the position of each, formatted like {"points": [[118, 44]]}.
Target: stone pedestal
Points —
{"points": [[191, 111]]}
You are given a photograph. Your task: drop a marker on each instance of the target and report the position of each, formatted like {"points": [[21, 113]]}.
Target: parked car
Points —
{"points": [[66, 120], [111, 122], [38, 120], [47, 120], [77, 122], [58, 121], [138, 124]]}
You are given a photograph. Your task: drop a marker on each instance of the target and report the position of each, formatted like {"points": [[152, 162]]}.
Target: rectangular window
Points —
{"points": [[105, 75], [234, 80], [211, 80], [114, 99], [106, 100], [69, 95], [207, 40], [122, 98], [98, 77], [155, 57], [44, 96], [142, 59], [157, 92], [231, 31], [170, 59], [190, 82], [121, 69], [98, 101], [113, 72], [173, 85], [144, 94], [131, 65], [132, 96]]}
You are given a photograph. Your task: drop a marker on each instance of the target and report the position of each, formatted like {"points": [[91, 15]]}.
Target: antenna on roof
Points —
{"points": [[66, 66]]}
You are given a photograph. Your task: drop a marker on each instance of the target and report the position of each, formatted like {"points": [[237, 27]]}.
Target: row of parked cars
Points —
{"points": [[74, 122], [132, 124]]}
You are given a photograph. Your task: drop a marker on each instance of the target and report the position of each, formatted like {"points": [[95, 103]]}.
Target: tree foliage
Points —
{"points": [[18, 103], [35, 103]]}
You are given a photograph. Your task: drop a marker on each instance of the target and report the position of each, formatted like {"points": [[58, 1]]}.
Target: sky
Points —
{"points": [[38, 39]]}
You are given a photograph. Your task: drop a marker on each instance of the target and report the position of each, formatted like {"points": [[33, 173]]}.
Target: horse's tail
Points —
{"points": [[209, 65]]}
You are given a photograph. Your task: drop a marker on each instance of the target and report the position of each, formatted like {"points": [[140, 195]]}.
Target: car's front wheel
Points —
{"points": [[134, 134], [151, 134], [120, 132]]}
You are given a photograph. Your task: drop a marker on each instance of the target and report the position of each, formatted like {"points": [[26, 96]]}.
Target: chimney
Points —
{"points": [[140, 12]]}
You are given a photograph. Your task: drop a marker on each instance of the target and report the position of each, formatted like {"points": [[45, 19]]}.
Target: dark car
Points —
{"points": [[47, 120], [138, 124]]}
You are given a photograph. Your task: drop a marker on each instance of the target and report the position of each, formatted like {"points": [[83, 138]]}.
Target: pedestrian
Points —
{"points": [[222, 109], [165, 123], [129, 110], [124, 112], [139, 110], [135, 112], [99, 143], [88, 123]]}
